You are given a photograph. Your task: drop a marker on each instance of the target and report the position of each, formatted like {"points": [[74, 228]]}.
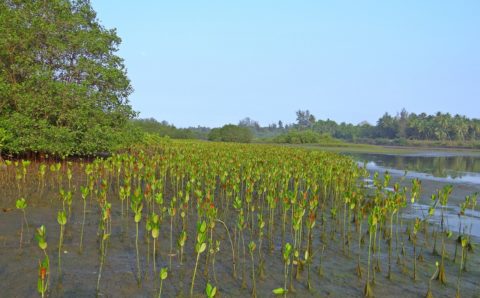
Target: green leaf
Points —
{"points": [[21, 204], [202, 248], [203, 227], [62, 217], [138, 217], [42, 244], [210, 290], [279, 291], [213, 292], [163, 273], [252, 246], [155, 232]]}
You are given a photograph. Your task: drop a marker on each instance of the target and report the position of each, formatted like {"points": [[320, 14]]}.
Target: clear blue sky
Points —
{"points": [[215, 62]]}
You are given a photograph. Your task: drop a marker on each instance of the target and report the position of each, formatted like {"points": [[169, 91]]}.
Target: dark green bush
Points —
{"points": [[231, 133], [300, 137]]}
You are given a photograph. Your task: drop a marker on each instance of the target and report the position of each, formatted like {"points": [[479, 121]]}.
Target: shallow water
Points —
{"points": [[469, 223], [439, 166], [436, 170]]}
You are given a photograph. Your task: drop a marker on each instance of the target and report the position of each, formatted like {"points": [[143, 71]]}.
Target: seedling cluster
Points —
{"points": [[247, 207]]}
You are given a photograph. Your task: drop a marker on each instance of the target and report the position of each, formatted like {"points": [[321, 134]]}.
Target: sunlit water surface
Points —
{"points": [[435, 170]]}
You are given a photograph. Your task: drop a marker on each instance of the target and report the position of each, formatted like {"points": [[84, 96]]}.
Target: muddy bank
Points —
{"points": [[335, 277], [333, 271]]}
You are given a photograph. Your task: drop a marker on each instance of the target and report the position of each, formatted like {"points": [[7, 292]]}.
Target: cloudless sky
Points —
{"points": [[215, 62]]}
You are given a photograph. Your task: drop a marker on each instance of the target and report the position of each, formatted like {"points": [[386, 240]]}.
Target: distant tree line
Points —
{"points": [[227, 133], [164, 129], [438, 127], [404, 125], [307, 129]]}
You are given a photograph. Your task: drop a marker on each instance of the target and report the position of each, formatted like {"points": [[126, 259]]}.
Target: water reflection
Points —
{"points": [[435, 170], [469, 222], [438, 165]]}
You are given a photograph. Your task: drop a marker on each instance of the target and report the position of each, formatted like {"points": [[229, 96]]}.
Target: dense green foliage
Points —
{"points": [[214, 212], [301, 137], [404, 128], [165, 129], [231, 133], [438, 127], [62, 88]]}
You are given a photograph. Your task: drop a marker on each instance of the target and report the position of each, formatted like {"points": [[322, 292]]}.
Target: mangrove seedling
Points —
{"points": [[441, 276], [123, 195], [155, 225], [429, 292], [18, 177], [21, 204], [320, 266], [231, 244], [261, 263], [287, 251], [200, 247], [372, 223], [416, 228], [137, 207], [69, 175], [443, 197], [251, 248], [148, 229], [463, 207], [298, 213], [181, 244], [172, 212], [62, 220], [41, 236], [210, 290], [84, 191], [44, 266], [67, 197], [41, 177], [464, 243], [163, 276], [392, 208], [42, 283], [359, 218], [241, 224], [211, 214], [313, 204], [104, 225], [213, 251], [469, 246], [25, 164]]}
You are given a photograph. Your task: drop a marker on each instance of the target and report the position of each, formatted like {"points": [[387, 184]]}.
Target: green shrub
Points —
{"points": [[231, 133], [301, 137]]}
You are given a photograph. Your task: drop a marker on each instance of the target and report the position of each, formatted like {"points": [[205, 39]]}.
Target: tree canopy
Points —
{"points": [[231, 133], [63, 89], [404, 128], [164, 128]]}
